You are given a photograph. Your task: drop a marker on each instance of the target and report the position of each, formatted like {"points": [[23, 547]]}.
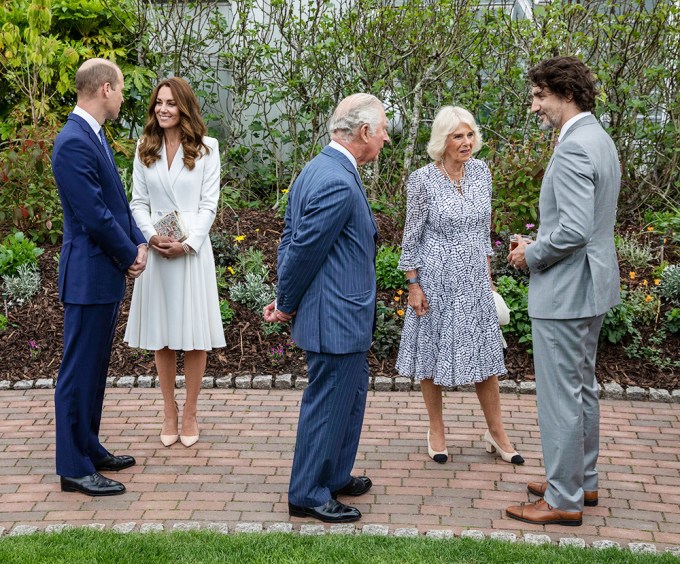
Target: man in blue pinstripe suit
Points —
{"points": [[326, 270]]}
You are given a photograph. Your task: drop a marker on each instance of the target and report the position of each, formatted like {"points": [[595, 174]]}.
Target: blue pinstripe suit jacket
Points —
{"points": [[326, 258]]}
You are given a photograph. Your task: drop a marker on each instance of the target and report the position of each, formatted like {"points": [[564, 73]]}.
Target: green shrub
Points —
{"points": [[23, 285], [225, 250], [251, 261], [253, 292], [386, 273], [3, 322], [387, 334], [226, 312], [17, 250], [665, 223], [636, 307], [672, 320], [631, 253], [670, 284], [516, 296]]}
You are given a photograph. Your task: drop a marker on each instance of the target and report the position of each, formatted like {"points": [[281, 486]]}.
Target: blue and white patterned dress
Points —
{"points": [[447, 240]]}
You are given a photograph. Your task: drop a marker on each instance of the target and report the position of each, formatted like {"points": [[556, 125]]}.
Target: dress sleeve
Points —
{"points": [[417, 209], [141, 202], [210, 194], [488, 182]]}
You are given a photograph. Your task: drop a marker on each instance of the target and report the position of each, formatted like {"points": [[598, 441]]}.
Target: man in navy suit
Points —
{"points": [[326, 271], [101, 245]]}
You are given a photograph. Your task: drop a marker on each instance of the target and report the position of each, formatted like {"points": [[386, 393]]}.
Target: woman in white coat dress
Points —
{"points": [[175, 304]]}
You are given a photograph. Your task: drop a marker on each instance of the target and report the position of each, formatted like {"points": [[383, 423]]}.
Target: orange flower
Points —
{"points": [[632, 275], [648, 298], [397, 298], [400, 292], [644, 282], [400, 312], [650, 228], [657, 281]]}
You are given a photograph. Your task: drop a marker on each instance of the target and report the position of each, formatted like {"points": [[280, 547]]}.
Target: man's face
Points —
{"points": [[376, 140], [549, 107], [114, 99]]}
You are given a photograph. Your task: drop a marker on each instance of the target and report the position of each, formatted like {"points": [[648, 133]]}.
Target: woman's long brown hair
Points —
{"points": [[190, 122]]}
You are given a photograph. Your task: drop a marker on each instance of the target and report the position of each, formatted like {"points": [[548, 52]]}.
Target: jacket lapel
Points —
{"points": [[167, 177]]}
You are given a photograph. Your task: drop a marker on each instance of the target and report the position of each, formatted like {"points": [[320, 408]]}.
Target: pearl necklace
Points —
{"points": [[459, 187]]}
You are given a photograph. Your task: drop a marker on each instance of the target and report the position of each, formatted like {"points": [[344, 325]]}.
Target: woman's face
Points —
{"points": [[167, 112], [459, 144]]}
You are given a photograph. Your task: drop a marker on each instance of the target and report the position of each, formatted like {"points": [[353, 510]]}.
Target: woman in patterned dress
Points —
{"points": [[451, 335]]}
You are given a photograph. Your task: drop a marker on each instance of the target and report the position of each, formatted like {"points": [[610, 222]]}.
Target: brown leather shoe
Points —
{"points": [[542, 513], [538, 488]]}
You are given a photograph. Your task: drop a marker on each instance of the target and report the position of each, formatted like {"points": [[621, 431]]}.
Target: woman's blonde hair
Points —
{"points": [[190, 122], [447, 120]]}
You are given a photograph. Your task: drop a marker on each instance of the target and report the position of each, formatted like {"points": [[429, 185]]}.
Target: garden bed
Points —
{"points": [[249, 350]]}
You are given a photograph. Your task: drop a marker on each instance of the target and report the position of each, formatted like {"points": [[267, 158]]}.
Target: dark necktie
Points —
{"points": [[102, 138]]}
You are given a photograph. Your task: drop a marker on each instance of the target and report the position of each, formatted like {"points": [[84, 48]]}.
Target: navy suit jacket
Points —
{"points": [[100, 235], [326, 258]]}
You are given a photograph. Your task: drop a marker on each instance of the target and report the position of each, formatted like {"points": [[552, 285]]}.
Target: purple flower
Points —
{"points": [[530, 226], [498, 243]]}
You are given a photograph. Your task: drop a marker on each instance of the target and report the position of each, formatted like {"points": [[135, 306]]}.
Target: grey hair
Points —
{"points": [[353, 112], [447, 120]]}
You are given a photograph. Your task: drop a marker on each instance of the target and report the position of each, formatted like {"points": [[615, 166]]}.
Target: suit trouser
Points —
{"points": [[568, 406], [331, 416], [79, 393]]}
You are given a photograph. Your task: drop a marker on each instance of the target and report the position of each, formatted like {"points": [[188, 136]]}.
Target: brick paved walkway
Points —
{"points": [[239, 470]]}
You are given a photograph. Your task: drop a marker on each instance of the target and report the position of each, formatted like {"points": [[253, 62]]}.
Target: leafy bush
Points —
{"points": [[672, 320], [226, 312], [22, 286], [16, 250], [224, 249], [387, 334], [253, 292], [636, 307], [516, 296], [666, 223], [631, 253], [670, 284], [3, 322], [251, 261], [387, 275]]}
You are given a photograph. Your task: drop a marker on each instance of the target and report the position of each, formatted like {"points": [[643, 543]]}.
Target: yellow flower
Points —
{"points": [[257, 230], [648, 298], [644, 282], [632, 275], [650, 228], [238, 238], [284, 191], [400, 312], [231, 270], [657, 281], [397, 298], [400, 292]]}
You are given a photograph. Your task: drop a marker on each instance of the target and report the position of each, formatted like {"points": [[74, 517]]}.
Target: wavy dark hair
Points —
{"points": [[190, 122], [566, 76]]}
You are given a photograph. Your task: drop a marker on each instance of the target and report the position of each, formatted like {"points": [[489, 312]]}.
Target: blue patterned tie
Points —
{"points": [[102, 138]]}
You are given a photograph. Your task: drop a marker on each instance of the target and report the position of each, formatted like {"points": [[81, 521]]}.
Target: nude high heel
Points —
{"points": [[438, 456], [492, 446], [169, 440], [189, 440]]}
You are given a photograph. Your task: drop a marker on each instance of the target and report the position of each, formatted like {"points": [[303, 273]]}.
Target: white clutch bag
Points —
{"points": [[502, 309], [171, 225]]}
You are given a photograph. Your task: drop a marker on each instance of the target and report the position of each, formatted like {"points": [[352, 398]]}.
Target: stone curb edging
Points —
{"points": [[610, 390], [342, 529]]}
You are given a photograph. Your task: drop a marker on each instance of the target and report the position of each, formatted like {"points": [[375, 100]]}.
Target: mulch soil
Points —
{"points": [[248, 351]]}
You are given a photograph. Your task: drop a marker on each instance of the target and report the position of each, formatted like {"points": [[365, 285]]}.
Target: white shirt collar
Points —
{"points": [[89, 119], [335, 145], [569, 123]]}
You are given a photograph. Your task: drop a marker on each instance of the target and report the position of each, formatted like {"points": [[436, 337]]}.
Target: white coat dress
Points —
{"points": [[175, 302]]}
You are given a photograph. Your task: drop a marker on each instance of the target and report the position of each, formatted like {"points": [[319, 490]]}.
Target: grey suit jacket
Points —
{"points": [[574, 272]]}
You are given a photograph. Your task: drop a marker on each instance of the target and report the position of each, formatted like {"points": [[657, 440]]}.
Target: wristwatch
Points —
{"points": [[414, 280]]}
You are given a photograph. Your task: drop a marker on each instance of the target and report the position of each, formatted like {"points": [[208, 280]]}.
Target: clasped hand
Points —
{"points": [[167, 247], [273, 315], [137, 267], [516, 257]]}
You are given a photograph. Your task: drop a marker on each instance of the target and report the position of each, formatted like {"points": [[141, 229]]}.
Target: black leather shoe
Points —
{"points": [[94, 484], [115, 463], [356, 486], [331, 512]]}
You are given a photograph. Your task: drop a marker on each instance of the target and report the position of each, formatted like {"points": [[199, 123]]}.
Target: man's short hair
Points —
{"points": [[353, 112], [566, 76], [89, 78]]}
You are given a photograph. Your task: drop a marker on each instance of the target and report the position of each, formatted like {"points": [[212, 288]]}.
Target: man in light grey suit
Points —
{"points": [[574, 281], [326, 270]]}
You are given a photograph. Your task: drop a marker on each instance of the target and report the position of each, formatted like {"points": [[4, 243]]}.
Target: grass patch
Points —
{"points": [[82, 545]]}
